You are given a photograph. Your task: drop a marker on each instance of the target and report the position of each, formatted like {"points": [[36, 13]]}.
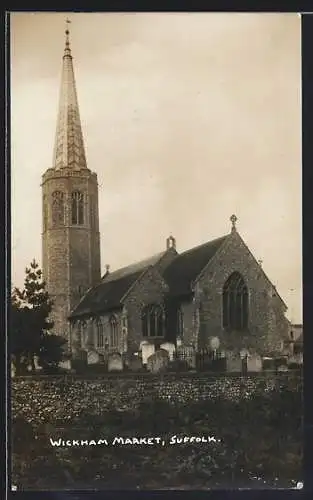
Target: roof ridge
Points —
{"points": [[202, 245], [144, 262]]}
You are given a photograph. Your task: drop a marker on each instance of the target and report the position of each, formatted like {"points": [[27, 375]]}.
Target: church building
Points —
{"points": [[216, 290]]}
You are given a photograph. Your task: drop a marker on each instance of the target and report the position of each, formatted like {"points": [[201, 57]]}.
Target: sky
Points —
{"points": [[187, 118]]}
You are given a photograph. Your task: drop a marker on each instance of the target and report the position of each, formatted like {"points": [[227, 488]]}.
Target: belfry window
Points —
{"points": [[77, 208], [235, 303], [152, 321], [57, 208], [45, 213], [113, 332], [92, 212]]}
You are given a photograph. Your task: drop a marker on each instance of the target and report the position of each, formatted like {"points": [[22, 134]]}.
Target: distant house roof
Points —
{"points": [[108, 294], [185, 268], [299, 340]]}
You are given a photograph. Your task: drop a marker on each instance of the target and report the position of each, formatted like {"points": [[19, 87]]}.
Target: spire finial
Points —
{"points": [[233, 219], [67, 51], [67, 21]]}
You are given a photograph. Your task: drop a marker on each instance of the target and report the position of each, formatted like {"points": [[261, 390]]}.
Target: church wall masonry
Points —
{"points": [[71, 254], [149, 289], [267, 323]]}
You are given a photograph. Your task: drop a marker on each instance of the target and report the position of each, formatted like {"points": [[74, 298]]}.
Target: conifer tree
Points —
{"points": [[31, 308]]}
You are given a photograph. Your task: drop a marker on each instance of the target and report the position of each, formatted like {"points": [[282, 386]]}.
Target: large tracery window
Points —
{"points": [[153, 321], [235, 303], [77, 208], [57, 208], [113, 332]]}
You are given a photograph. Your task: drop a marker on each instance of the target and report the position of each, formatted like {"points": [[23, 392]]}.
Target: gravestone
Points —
{"points": [[233, 363], [93, 358], [65, 364], [115, 363], [282, 368], [170, 348], [134, 363], [147, 350], [254, 363], [158, 362]]}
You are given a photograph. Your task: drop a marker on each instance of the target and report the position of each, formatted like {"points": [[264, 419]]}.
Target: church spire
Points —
{"points": [[69, 148]]}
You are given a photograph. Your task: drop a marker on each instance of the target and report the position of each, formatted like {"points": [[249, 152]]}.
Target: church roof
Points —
{"points": [[133, 268], [185, 268], [108, 294]]}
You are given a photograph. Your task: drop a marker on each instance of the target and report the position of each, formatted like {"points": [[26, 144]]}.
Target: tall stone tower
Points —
{"points": [[70, 237]]}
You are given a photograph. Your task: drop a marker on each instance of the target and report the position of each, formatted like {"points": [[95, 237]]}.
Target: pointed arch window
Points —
{"points": [[100, 334], [45, 213], [92, 212], [235, 303], [57, 208], [153, 321], [113, 332], [81, 328], [180, 322], [77, 203]]}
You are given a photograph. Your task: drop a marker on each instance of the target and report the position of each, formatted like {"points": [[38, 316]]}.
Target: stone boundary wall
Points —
{"points": [[51, 400], [169, 376]]}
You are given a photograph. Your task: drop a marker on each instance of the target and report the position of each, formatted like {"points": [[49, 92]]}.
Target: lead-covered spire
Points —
{"points": [[69, 148]]}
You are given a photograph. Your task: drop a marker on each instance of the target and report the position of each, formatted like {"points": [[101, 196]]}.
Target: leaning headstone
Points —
{"points": [[158, 362], [115, 363], [93, 358], [147, 350], [170, 348]]}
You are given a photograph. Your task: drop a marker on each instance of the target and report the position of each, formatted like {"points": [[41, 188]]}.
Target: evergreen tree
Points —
{"points": [[31, 308]]}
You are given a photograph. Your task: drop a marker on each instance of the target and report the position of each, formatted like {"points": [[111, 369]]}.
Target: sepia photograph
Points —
{"points": [[156, 334]]}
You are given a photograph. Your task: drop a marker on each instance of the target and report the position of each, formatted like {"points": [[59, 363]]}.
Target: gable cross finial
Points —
{"points": [[233, 219]]}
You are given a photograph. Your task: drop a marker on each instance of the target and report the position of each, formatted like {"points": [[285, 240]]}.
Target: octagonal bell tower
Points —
{"points": [[70, 237]]}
